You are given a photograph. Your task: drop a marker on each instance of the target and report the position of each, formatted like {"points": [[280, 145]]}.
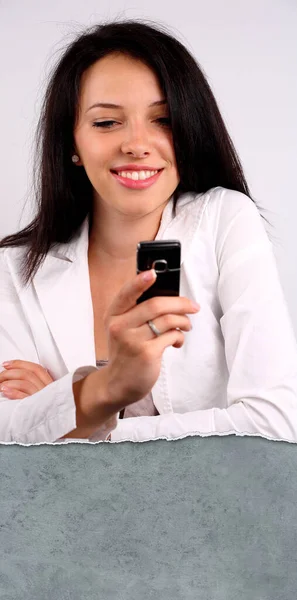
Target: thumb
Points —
{"points": [[128, 294]]}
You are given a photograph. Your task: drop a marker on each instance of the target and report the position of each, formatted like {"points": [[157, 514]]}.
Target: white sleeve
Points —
{"points": [[50, 413], [260, 345], [44, 416]]}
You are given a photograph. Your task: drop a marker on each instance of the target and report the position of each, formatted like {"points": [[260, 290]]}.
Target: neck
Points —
{"points": [[113, 238]]}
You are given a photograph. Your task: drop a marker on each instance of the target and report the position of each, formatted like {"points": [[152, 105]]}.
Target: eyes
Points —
{"points": [[163, 122]]}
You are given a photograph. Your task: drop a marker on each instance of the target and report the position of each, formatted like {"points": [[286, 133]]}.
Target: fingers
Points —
{"points": [[17, 389], [13, 394], [169, 312], [128, 294], [168, 321], [31, 370], [160, 305], [148, 310], [22, 378], [157, 345], [16, 379], [21, 375]]}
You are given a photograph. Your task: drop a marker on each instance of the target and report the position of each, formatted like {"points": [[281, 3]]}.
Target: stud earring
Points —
{"points": [[75, 158]]}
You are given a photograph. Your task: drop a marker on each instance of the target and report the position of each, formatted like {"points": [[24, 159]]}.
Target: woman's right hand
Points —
{"points": [[135, 352]]}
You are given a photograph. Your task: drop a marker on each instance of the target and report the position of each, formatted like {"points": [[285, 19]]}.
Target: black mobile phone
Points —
{"points": [[164, 257]]}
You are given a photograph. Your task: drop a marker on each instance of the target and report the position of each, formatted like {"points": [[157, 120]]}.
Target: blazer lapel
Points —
{"points": [[62, 285]]}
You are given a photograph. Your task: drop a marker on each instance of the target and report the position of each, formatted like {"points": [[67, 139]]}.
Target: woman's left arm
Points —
{"points": [[260, 346]]}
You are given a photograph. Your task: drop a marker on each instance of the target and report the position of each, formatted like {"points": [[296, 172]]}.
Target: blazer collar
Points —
{"points": [[184, 222]]}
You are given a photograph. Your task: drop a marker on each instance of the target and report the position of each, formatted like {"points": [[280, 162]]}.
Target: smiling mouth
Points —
{"points": [[137, 175], [137, 180]]}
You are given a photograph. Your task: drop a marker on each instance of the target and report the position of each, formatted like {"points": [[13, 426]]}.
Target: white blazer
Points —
{"points": [[237, 370]]}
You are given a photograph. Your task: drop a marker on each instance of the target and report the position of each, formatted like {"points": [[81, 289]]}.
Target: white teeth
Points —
{"points": [[137, 175]]}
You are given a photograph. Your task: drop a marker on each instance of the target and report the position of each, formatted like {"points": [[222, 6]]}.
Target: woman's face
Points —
{"points": [[121, 146]]}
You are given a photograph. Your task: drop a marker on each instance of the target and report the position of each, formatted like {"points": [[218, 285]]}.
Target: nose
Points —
{"points": [[137, 142]]}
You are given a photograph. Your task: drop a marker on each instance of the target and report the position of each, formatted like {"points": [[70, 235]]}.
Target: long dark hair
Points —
{"points": [[205, 154]]}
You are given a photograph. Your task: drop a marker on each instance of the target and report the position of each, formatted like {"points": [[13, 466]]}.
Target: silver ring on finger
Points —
{"points": [[153, 327]]}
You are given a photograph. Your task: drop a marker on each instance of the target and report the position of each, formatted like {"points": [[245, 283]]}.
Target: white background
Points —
{"points": [[248, 50]]}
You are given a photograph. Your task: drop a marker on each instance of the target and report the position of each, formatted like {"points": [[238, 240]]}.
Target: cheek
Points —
{"points": [[92, 150], [165, 144], [89, 146]]}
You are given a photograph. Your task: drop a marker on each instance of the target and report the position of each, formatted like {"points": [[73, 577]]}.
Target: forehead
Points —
{"points": [[118, 74]]}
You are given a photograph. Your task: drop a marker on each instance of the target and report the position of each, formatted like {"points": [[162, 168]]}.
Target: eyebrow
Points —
{"points": [[110, 105]]}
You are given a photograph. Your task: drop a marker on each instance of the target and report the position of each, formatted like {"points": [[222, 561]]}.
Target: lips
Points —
{"points": [[131, 167], [137, 184]]}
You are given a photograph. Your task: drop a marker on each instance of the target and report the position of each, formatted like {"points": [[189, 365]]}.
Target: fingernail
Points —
{"points": [[4, 388], [149, 275], [7, 363], [195, 306]]}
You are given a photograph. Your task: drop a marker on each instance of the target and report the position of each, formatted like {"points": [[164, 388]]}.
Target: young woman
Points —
{"points": [[132, 147]]}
